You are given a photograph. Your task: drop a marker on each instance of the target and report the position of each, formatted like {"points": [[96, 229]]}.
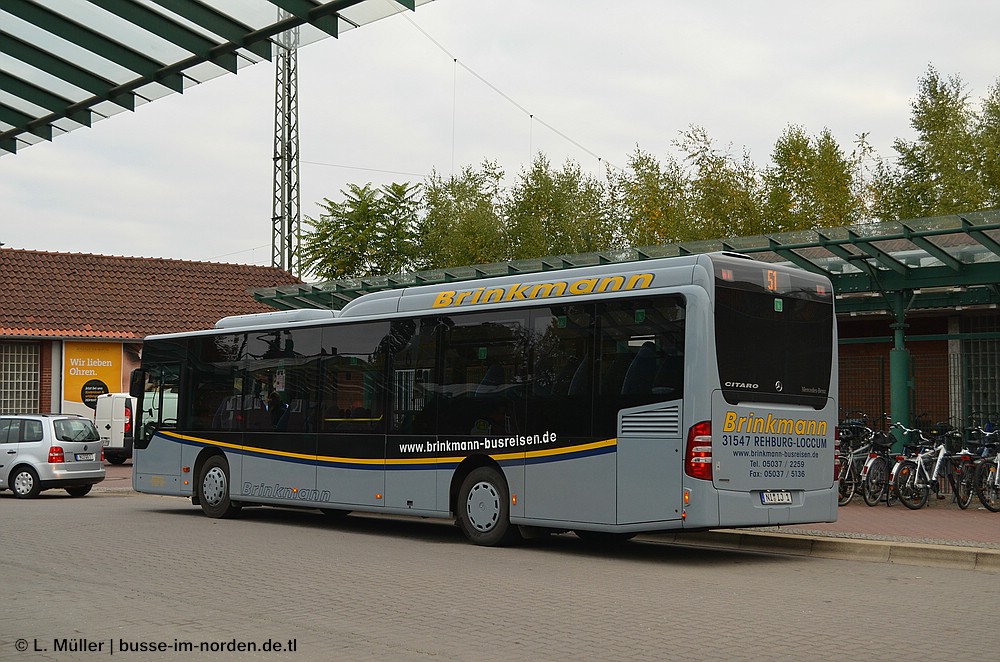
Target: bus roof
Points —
{"points": [[520, 288], [492, 292]]}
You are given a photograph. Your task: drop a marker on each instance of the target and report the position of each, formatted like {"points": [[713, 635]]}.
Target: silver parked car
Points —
{"points": [[44, 451]]}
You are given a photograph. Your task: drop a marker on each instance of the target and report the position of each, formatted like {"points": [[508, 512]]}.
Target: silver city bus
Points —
{"points": [[680, 393]]}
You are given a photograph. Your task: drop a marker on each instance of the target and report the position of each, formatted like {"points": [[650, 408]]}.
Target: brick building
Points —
{"points": [[72, 324]]}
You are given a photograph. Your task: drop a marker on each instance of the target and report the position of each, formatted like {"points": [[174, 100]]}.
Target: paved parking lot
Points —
{"points": [[116, 572]]}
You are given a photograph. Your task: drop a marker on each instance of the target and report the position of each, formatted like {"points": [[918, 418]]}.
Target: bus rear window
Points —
{"points": [[773, 334]]}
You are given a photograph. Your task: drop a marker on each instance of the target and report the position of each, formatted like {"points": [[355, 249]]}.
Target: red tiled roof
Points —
{"points": [[76, 295]]}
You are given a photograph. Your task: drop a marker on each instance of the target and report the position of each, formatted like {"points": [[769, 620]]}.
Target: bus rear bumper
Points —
{"points": [[748, 508]]}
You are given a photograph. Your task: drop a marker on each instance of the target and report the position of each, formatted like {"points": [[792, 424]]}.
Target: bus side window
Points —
{"points": [[484, 374], [214, 387], [579, 383], [352, 376], [415, 388], [560, 394], [641, 371], [281, 394], [669, 379], [641, 353]]}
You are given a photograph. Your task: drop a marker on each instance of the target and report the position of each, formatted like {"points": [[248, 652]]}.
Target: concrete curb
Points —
{"points": [[874, 551]]}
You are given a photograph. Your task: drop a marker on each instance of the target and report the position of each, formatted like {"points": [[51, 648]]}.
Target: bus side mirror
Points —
{"points": [[137, 383]]}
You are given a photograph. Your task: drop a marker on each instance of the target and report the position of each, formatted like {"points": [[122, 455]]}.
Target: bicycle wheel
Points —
{"points": [[847, 481], [873, 487], [986, 486], [965, 485], [909, 489]]}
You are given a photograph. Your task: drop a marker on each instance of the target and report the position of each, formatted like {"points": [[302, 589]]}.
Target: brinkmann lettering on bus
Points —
{"points": [[526, 291], [772, 424], [278, 491]]}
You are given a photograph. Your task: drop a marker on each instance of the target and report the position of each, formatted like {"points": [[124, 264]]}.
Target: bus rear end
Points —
{"points": [[769, 446]]}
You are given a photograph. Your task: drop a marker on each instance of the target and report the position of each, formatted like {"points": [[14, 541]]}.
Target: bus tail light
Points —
{"points": [[56, 455], [698, 455]]}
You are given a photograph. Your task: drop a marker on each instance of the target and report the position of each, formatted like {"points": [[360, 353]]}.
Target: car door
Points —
{"points": [[9, 434]]}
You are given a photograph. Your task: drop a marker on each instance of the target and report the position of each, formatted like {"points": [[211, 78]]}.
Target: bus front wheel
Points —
{"points": [[213, 489], [484, 508]]}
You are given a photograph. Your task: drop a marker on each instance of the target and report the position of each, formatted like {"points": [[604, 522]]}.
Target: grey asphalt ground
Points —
{"points": [[940, 534], [116, 573], [110, 573]]}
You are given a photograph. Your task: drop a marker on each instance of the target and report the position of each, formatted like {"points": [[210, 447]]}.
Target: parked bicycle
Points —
{"points": [[854, 445], [987, 473], [852, 461], [875, 485], [914, 477]]}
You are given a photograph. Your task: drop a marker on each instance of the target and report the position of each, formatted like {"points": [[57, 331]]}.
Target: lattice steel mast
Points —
{"points": [[286, 231]]}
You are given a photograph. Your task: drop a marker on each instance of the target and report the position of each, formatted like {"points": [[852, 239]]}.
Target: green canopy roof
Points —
{"points": [[65, 64]]}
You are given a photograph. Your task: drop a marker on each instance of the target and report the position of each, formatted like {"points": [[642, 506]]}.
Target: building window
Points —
{"points": [[19, 376], [982, 371]]}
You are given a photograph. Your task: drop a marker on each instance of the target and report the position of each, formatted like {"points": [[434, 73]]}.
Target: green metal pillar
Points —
{"points": [[899, 369]]}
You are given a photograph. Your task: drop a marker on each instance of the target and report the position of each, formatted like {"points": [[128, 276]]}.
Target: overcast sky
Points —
{"points": [[190, 176]]}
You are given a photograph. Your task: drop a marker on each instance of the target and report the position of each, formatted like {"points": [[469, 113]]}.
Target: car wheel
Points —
{"points": [[79, 490], [24, 483]]}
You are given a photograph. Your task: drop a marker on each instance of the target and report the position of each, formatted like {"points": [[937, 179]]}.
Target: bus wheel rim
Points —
{"points": [[483, 506], [214, 486]]}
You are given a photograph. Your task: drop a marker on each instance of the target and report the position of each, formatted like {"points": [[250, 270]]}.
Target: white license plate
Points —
{"points": [[85, 457], [768, 498]]}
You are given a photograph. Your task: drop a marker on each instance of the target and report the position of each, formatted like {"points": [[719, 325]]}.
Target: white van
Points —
{"points": [[114, 418]]}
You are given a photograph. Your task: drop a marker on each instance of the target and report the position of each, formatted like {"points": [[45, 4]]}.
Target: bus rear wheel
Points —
{"points": [[213, 489], [484, 508]]}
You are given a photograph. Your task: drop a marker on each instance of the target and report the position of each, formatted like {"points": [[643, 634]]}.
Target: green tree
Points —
{"points": [[647, 201], [557, 212], [988, 147], [938, 173], [371, 232], [811, 183], [725, 193], [395, 240], [461, 223]]}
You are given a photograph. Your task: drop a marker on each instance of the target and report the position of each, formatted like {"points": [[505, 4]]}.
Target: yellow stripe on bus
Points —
{"points": [[499, 457]]}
